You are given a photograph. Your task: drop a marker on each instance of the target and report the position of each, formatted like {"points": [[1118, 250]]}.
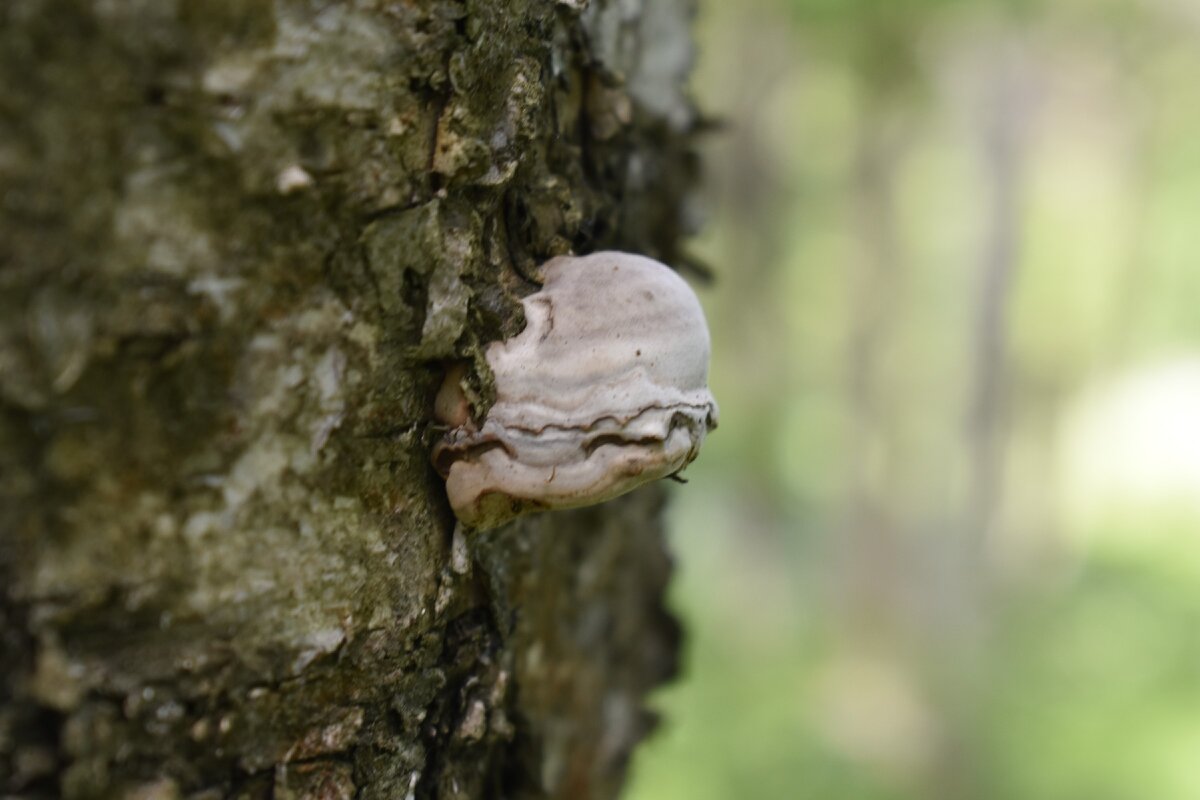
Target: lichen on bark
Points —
{"points": [[239, 242]]}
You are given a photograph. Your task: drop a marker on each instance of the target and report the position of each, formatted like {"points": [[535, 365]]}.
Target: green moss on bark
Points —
{"points": [[239, 241]]}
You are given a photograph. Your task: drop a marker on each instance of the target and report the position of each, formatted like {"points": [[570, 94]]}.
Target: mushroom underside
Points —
{"points": [[496, 475]]}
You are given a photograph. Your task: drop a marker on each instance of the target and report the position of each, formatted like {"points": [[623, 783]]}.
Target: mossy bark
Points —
{"points": [[239, 243]]}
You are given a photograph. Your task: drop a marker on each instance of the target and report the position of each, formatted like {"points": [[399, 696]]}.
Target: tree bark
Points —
{"points": [[240, 242]]}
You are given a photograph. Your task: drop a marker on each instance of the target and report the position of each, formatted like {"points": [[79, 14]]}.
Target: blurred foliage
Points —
{"points": [[946, 542]]}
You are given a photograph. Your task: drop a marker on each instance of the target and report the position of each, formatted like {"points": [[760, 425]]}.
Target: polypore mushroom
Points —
{"points": [[605, 389]]}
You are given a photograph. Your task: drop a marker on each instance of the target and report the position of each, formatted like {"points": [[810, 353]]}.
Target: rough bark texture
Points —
{"points": [[239, 243]]}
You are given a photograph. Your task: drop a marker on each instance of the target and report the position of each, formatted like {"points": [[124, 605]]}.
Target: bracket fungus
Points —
{"points": [[605, 389]]}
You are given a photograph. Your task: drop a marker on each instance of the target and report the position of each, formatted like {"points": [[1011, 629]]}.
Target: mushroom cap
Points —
{"points": [[605, 389], [609, 334]]}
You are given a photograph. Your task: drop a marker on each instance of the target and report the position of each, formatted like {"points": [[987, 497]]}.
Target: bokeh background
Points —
{"points": [[946, 541]]}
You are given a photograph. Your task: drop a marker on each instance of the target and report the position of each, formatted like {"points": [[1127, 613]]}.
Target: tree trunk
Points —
{"points": [[240, 242]]}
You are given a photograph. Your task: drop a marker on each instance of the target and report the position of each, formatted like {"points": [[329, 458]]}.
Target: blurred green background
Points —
{"points": [[946, 541]]}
